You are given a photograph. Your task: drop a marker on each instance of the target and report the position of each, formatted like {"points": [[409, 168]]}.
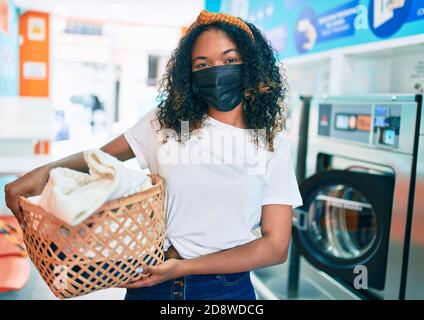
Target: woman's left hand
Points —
{"points": [[169, 269]]}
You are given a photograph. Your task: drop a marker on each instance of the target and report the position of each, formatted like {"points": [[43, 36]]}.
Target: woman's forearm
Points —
{"points": [[75, 161], [118, 148], [255, 254], [270, 249]]}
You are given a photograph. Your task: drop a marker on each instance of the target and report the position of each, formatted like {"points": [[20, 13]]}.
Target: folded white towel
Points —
{"points": [[73, 196]]}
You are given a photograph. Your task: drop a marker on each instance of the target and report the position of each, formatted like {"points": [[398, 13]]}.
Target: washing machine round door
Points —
{"points": [[344, 222]]}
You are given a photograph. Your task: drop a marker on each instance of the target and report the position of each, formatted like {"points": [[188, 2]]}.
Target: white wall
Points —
{"points": [[393, 66], [132, 46], [154, 12], [133, 29]]}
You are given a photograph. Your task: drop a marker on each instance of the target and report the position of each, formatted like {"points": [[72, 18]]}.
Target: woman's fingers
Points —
{"points": [[12, 201], [149, 270], [20, 212], [146, 282], [131, 285], [149, 280]]}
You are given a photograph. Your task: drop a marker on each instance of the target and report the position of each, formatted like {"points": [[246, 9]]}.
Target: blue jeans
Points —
{"points": [[231, 286]]}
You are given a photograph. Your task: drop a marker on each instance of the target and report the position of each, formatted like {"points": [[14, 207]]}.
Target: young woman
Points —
{"points": [[215, 139]]}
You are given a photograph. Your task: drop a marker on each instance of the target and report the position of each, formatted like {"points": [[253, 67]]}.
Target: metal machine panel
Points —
{"points": [[390, 152], [415, 274]]}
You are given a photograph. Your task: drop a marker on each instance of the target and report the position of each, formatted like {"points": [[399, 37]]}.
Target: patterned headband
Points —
{"points": [[206, 17]]}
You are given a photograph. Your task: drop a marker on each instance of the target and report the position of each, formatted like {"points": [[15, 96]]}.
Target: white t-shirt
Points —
{"points": [[216, 183]]}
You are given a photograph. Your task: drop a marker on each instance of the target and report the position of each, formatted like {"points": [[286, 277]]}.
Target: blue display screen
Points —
{"points": [[381, 115], [389, 137]]}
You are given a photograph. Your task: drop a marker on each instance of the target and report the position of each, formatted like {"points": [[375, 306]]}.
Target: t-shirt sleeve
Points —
{"points": [[281, 186], [141, 138]]}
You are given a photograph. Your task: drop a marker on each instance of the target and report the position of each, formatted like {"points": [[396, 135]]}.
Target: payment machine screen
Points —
{"points": [[387, 124], [389, 137]]}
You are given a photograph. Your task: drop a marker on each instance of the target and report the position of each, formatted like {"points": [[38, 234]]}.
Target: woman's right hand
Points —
{"points": [[30, 184]]}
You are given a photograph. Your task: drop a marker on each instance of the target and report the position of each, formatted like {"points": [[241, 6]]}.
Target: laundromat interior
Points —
{"points": [[76, 74]]}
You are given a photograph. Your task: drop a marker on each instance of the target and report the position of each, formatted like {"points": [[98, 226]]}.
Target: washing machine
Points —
{"points": [[271, 283], [351, 231], [414, 278]]}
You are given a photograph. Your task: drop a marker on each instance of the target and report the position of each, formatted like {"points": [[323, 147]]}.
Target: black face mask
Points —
{"points": [[221, 87]]}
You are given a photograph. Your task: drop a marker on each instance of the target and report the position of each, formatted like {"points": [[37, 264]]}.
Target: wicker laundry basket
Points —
{"points": [[106, 250]]}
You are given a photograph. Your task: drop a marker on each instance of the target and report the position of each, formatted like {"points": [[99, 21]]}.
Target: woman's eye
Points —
{"points": [[231, 60], [202, 65]]}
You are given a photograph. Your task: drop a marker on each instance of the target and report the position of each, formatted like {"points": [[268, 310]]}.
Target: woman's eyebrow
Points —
{"points": [[200, 58], [224, 53], [230, 50]]}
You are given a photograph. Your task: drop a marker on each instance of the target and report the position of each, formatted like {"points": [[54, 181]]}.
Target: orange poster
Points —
{"points": [[4, 16], [34, 54]]}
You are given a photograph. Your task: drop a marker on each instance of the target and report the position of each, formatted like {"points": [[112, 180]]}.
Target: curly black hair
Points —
{"points": [[265, 86]]}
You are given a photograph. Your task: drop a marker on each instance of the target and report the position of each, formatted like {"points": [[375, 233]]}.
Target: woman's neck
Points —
{"points": [[233, 117]]}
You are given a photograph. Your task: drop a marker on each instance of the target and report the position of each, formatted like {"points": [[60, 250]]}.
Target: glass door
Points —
{"points": [[345, 222]]}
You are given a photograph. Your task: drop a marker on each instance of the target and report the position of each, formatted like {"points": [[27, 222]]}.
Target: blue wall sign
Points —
{"points": [[297, 27]]}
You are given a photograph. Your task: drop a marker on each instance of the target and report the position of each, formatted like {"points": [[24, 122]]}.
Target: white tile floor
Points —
{"points": [[275, 279], [36, 289]]}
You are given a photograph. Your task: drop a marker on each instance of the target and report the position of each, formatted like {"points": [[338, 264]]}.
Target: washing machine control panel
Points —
{"points": [[374, 124], [351, 122], [386, 125]]}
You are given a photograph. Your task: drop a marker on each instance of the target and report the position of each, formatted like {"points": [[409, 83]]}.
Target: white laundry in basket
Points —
{"points": [[73, 196]]}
